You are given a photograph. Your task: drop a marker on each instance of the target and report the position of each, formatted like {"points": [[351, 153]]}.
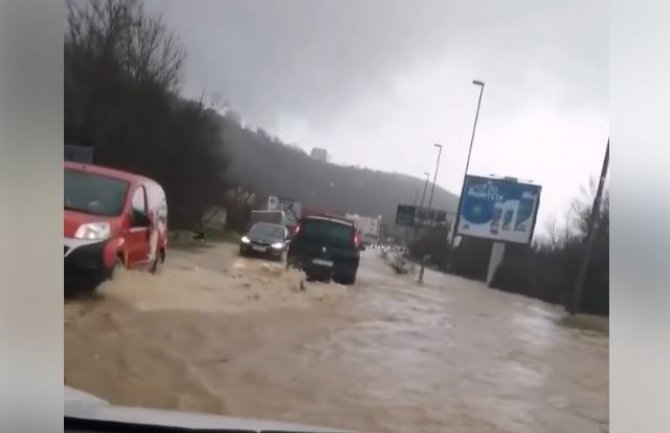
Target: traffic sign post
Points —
{"points": [[414, 216], [496, 258]]}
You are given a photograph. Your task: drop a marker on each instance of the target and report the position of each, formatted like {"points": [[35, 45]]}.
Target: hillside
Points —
{"points": [[270, 167]]}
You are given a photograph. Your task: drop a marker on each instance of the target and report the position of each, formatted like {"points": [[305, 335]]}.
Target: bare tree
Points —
{"points": [[122, 74], [121, 30]]}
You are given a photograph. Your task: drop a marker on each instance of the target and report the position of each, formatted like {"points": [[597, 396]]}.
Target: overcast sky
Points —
{"points": [[378, 82]]}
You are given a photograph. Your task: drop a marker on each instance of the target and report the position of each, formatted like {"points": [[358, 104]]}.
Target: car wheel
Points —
{"points": [[346, 279]]}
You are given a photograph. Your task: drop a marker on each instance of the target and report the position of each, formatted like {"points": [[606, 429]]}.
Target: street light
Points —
{"points": [[430, 203], [437, 167], [465, 174], [474, 127], [425, 186]]}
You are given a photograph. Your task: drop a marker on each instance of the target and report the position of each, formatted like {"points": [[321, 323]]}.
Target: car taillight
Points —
{"points": [[356, 239], [297, 230]]}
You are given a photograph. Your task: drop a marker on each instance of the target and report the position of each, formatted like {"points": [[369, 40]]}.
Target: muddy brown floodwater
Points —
{"points": [[219, 334]]}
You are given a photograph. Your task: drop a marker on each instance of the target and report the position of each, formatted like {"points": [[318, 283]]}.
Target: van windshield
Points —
{"points": [[93, 193]]}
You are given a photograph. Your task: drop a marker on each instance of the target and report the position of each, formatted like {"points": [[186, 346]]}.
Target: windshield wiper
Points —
{"points": [[74, 424]]}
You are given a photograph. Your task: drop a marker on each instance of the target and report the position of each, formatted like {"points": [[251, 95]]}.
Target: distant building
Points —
{"points": [[320, 154]]}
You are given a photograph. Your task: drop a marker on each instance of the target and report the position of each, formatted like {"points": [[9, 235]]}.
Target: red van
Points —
{"points": [[111, 218]]}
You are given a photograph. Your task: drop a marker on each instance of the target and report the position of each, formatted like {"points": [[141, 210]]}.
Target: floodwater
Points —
{"points": [[219, 334]]}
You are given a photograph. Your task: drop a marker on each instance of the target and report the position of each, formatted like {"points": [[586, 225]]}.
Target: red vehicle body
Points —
{"points": [[111, 218]]}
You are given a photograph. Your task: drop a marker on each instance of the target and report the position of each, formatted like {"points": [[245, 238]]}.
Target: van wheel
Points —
{"points": [[157, 266], [118, 264]]}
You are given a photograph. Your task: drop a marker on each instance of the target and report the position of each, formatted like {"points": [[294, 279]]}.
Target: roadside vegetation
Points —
{"points": [[401, 265], [122, 75], [545, 270]]}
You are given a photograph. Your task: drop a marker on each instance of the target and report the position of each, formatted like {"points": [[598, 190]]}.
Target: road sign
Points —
{"points": [[503, 210], [415, 216], [405, 215]]}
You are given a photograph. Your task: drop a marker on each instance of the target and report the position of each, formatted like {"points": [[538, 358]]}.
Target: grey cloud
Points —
{"points": [[311, 59]]}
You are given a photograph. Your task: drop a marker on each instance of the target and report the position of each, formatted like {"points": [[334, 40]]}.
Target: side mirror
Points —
{"points": [[140, 219]]}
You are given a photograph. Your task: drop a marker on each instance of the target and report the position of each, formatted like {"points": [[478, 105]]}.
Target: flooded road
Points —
{"points": [[219, 334]]}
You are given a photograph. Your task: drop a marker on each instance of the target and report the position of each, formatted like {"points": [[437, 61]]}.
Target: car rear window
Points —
{"points": [[328, 232]]}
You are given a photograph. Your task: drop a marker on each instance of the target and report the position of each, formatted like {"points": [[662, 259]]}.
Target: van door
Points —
{"points": [[138, 237]]}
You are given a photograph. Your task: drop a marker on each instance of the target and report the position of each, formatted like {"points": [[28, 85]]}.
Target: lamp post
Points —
{"points": [[430, 203], [437, 167], [425, 186], [465, 174]]}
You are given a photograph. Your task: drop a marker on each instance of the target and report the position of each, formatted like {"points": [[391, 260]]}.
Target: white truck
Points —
{"points": [[368, 226], [292, 210]]}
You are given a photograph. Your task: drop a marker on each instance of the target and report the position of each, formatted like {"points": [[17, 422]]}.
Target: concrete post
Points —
{"points": [[497, 253]]}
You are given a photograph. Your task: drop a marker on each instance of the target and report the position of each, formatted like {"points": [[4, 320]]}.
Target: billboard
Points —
{"points": [[499, 209], [415, 216]]}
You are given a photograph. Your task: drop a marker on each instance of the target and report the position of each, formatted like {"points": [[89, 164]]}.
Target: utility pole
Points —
{"points": [[457, 221], [430, 203], [594, 222]]}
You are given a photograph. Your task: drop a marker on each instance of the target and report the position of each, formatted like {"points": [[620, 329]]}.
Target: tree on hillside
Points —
{"points": [[122, 75], [272, 167]]}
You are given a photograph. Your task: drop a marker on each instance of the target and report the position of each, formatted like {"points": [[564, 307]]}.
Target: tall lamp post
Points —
{"points": [[430, 203], [465, 174], [425, 186], [437, 167], [415, 232]]}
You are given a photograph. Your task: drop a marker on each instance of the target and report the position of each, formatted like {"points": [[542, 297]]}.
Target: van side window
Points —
{"points": [[139, 203], [162, 211]]}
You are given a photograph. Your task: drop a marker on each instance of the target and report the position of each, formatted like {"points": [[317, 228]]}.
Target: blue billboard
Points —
{"points": [[499, 209]]}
